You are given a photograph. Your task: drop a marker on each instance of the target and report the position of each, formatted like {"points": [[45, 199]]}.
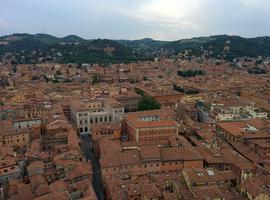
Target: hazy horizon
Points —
{"points": [[203, 36], [136, 19]]}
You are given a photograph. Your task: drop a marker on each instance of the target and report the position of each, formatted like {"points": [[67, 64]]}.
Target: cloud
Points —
{"points": [[133, 19], [3, 23], [160, 19], [250, 2], [171, 14]]}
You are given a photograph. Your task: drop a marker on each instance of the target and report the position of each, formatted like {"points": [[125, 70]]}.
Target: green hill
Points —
{"points": [[27, 48]]}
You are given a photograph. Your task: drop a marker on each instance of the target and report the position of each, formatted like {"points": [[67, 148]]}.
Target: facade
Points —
{"points": [[26, 123], [16, 138], [222, 112], [130, 102], [243, 131], [173, 154], [8, 170], [149, 125], [87, 112]]}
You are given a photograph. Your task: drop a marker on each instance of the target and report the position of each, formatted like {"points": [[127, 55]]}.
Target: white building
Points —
{"points": [[26, 123], [255, 112], [91, 111]]}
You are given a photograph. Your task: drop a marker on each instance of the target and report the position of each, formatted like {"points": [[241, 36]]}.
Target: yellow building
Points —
{"points": [[17, 138], [18, 98]]}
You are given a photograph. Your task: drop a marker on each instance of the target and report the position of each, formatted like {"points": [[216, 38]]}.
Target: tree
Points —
{"points": [[182, 90], [34, 78], [192, 92], [139, 91], [95, 79], [145, 78], [148, 103], [1, 103], [178, 88], [190, 73]]}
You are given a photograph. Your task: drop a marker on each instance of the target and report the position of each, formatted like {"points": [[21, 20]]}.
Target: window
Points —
{"points": [[91, 121], [80, 121], [81, 130], [85, 121], [86, 129]]}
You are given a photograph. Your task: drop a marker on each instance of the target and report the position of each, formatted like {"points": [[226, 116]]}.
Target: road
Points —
{"points": [[87, 146]]}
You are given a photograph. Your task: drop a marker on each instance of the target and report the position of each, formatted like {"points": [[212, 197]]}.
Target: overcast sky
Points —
{"points": [[136, 19]]}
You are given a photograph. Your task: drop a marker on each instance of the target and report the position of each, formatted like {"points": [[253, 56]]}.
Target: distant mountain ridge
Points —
{"points": [[24, 48], [27, 48]]}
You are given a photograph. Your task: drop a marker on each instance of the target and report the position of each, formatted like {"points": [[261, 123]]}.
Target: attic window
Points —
{"points": [[149, 118]]}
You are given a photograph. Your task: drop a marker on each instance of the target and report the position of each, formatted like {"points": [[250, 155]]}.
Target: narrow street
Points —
{"points": [[97, 180]]}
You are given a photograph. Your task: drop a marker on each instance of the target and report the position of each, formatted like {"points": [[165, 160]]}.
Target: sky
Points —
{"points": [[136, 19]]}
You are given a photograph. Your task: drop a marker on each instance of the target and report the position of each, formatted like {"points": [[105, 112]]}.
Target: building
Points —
{"points": [[9, 170], [173, 154], [111, 130], [208, 177], [244, 130], [18, 138], [149, 125], [129, 101], [256, 188], [229, 110], [26, 123], [92, 111]]}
